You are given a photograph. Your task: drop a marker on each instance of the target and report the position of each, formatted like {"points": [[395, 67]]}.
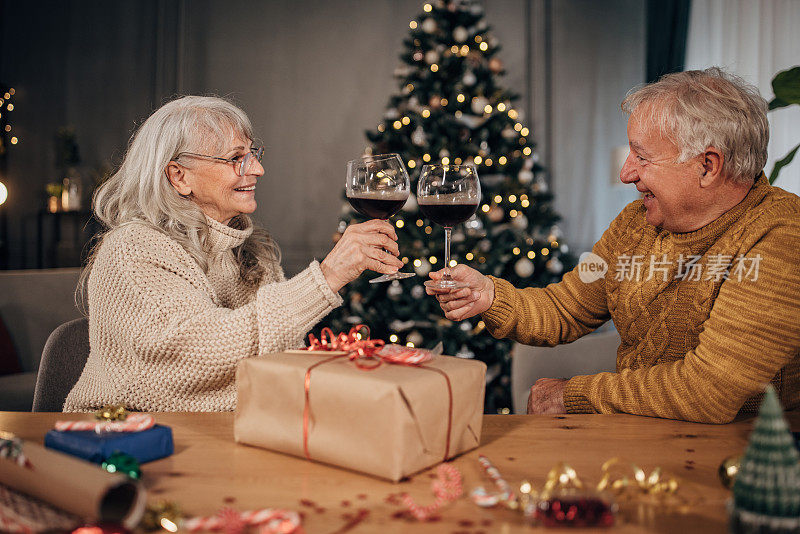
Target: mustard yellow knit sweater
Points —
{"points": [[711, 317]]}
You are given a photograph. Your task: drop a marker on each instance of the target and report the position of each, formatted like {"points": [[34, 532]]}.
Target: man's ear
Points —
{"points": [[177, 177], [711, 167]]}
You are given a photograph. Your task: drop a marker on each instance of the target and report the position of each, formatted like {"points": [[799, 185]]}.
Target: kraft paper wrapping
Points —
{"points": [[389, 422], [75, 486]]}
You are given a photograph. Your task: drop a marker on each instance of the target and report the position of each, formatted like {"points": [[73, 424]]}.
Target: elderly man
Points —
{"points": [[703, 272]]}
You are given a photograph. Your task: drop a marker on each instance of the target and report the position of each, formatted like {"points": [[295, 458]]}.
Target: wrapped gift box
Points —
{"points": [[145, 446], [391, 421]]}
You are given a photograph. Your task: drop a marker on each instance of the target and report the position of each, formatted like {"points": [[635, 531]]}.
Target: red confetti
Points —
{"points": [[689, 450], [486, 522], [320, 510], [574, 512], [345, 504], [466, 523], [352, 523], [510, 458], [229, 500], [307, 502], [362, 496]]}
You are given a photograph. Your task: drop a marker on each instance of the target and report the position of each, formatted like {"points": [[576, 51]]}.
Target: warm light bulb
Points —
{"points": [[498, 199], [454, 49], [445, 161], [420, 222], [483, 46], [413, 24], [8, 127], [426, 158], [464, 50], [10, 107], [433, 260], [525, 203], [526, 151], [460, 97], [518, 127], [399, 223], [417, 262], [406, 120], [501, 107], [470, 255], [531, 254], [381, 128], [512, 213], [426, 113], [428, 230], [427, 8], [512, 198], [485, 208], [512, 114], [545, 252], [11, 91], [488, 162], [515, 251], [524, 131], [502, 160], [410, 87], [444, 102], [478, 160], [393, 338], [478, 38], [14, 140], [3, 193], [487, 108], [397, 125], [434, 67], [457, 161], [412, 164]]}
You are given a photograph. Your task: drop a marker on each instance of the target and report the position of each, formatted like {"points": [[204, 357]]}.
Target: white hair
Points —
{"points": [[698, 109], [140, 192]]}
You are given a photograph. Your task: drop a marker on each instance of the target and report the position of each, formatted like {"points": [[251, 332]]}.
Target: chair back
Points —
{"points": [[63, 358]]}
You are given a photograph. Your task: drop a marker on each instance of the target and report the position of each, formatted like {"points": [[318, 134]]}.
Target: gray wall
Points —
{"points": [[312, 75]]}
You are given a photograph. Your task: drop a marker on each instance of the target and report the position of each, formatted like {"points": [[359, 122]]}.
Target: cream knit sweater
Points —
{"points": [[165, 336]]}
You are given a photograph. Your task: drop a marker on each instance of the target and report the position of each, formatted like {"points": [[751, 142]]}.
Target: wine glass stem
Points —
{"points": [[447, 231]]}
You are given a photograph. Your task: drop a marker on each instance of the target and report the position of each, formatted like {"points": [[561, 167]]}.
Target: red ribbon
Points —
{"points": [[361, 348]]}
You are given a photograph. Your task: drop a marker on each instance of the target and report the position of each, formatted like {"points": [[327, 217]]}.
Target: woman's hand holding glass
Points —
{"points": [[370, 245], [474, 295]]}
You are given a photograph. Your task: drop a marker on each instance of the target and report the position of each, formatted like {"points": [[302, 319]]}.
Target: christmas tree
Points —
{"points": [[450, 108], [766, 494]]}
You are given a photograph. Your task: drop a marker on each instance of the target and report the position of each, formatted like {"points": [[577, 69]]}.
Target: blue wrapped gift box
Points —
{"points": [[145, 446]]}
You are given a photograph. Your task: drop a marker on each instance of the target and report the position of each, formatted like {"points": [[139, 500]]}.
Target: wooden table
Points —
{"points": [[209, 470]]}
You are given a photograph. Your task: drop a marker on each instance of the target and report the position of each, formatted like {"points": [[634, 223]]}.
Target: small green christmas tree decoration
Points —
{"points": [[451, 108], [766, 494]]}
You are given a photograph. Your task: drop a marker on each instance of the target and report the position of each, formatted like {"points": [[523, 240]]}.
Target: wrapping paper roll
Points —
{"points": [[75, 486]]}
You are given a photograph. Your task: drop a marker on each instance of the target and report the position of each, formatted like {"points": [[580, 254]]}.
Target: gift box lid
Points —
{"points": [[145, 446]]}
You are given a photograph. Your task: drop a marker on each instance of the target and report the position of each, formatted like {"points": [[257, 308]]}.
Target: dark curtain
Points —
{"points": [[667, 27]]}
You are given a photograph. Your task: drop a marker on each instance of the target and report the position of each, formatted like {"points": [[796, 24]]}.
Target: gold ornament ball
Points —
{"points": [[495, 65], [728, 470]]}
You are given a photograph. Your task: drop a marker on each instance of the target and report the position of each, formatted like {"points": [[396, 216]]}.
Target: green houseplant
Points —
{"points": [[786, 85]]}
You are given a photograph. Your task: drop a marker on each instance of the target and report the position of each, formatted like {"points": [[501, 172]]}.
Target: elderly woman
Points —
{"points": [[183, 286], [702, 280]]}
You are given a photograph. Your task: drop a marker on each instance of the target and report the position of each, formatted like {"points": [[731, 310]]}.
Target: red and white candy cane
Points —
{"points": [[483, 498], [230, 521], [446, 488], [135, 422]]}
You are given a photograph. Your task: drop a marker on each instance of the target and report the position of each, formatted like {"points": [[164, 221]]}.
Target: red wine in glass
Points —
{"points": [[448, 214], [377, 206]]}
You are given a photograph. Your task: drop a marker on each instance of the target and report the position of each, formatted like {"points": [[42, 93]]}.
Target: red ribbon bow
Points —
{"points": [[361, 348]]}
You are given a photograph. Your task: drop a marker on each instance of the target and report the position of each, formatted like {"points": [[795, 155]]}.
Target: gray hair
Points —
{"points": [[697, 109], [140, 192]]}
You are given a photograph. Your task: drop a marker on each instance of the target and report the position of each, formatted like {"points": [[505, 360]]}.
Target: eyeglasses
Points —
{"points": [[241, 164]]}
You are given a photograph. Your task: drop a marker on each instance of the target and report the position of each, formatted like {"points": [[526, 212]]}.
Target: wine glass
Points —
{"points": [[378, 187], [448, 195]]}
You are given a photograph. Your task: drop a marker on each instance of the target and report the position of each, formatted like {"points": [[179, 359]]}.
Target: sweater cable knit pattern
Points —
{"points": [[698, 347], [166, 336]]}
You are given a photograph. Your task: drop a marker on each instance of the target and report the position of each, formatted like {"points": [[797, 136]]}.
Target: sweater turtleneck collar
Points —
{"points": [[222, 238], [713, 230]]}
